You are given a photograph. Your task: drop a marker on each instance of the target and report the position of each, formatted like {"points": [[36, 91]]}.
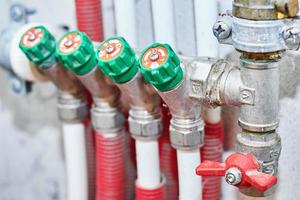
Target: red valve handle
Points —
{"points": [[240, 170]]}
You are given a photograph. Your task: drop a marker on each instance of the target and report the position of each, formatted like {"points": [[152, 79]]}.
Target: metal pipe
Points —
{"points": [[263, 77]]}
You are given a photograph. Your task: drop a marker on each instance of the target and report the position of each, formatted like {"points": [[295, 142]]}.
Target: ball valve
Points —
{"points": [[240, 170]]}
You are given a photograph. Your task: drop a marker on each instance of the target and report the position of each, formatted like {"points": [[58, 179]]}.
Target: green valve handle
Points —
{"points": [[160, 66], [76, 51], [117, 59], [38, 44]]}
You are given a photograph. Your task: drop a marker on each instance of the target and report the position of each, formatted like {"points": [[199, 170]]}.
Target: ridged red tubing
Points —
{"points": [[168, 159], [110, 165], [89, 18], [212, 150], [148, 194], [90, 152]]}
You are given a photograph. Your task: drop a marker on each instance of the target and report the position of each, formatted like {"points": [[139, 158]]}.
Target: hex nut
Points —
{"points": [[186, 137], [106, 120], [72, 113], [145, 130]]}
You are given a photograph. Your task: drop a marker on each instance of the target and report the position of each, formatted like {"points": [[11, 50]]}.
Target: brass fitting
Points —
{"points": [[265, 9]]}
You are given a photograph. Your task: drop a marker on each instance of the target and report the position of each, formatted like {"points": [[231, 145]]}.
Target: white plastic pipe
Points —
{"points": [[147, 161], [76, 161], [206, 13], [126, 20], [108, 18], [190, 183], [163, 22]]}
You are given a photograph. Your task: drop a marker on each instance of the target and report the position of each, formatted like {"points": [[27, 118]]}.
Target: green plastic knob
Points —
{"points": [[160, 66], [38, 44], [117, 60], [76, 51]]}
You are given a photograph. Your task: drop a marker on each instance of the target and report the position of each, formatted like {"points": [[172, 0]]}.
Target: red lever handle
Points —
{"points": [[240, 170]]}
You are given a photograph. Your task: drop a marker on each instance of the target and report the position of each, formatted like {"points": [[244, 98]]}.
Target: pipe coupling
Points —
{"points": [[186, 134], [106, 117], [70, 108], [217, 82], [144, 125]]}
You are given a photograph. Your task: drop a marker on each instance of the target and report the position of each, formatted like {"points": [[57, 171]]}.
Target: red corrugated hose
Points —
{"points": [[89, 18], [110, 165], [212, 150], [150, 194], [168, 159]]}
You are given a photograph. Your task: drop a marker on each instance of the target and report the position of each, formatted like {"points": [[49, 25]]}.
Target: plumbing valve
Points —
{"points": [[117, 60], [161, 67], [240, 170], [38, 45], [76, 51]]}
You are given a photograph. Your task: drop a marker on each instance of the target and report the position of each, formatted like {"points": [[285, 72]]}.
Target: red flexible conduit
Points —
{"points": [[154, 194], [89, 18], [110, 159], [168, 159], [90, 151], [212, 150]]}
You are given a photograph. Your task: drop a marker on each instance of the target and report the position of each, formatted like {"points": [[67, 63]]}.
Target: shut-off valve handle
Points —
{"points": [[240, 170]]}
